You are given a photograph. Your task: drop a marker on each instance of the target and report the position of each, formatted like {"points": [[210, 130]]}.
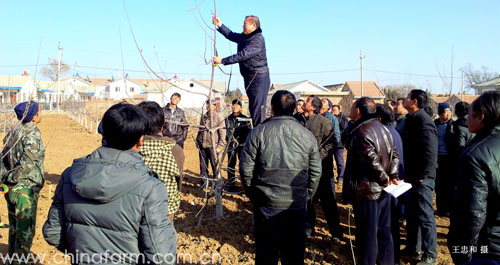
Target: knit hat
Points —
{"points": [[442, 107], [236, 101], [20, 110]]}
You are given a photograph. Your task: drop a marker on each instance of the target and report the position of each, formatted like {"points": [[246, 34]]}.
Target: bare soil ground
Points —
{"points": [[231, 236]]}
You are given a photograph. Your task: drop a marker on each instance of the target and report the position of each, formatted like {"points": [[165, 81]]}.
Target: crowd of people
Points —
{"points": [[122, 198]]}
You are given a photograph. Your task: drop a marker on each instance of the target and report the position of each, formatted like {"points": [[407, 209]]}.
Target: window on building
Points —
{"points": [[117, 89], [132, 89]]}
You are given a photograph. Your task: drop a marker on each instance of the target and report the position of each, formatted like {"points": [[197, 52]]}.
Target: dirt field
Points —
{"points": [[231, 236]]}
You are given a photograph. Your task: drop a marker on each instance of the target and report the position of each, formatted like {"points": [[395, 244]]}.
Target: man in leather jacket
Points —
{"points": [[475, 217], [372, 164], [176, 126]]}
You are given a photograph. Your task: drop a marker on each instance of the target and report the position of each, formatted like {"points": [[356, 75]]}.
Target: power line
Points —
{"points": [[285, 73]]}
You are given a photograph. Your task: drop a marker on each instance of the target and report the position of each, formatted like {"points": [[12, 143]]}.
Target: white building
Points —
{"points": [[16, 89], [194, 93]]}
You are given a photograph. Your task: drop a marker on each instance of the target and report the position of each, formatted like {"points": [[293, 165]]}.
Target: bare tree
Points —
{"points": [[50, 70], [395, 91], [473, 77]]}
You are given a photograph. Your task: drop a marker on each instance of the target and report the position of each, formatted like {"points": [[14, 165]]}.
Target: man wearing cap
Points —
{"points": [[252, 59], [236, 136], [22, 171], [444, 186], [204, 140]]}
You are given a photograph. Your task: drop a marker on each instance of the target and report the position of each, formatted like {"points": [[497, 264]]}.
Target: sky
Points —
{"points": [[404, 42]]}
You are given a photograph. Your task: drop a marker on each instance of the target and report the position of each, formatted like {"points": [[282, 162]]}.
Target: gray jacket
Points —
{"points": [[280, 166], [109, 202]]}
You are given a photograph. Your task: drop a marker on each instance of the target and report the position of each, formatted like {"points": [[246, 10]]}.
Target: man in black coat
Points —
{"points": [[236, 135], [176, 125], [420, 147], [252, 60], [475, 218]]}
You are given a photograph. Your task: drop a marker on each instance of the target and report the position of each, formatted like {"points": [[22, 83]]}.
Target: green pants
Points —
{"points": [[21, 204]]}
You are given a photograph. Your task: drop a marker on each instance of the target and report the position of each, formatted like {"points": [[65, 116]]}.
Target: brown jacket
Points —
{"points": [[372, 158], [321, 128], [218, 135]]}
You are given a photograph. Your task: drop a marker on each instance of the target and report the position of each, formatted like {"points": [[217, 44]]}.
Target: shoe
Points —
{"points": [[427, 260], [309, 231], [4, 225]]}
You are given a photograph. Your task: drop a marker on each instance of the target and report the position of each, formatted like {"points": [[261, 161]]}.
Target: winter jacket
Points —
{"points": [[218, 135], [459, 137], [400, 123], [335, 125], [444, 132], [280, 165], [399, 148], [343, 123], [372, 159], [251, 52], [420, 147], [178, 132], [321, 128], [239, 130], [22, 158], [475, 219], [158, 155], [111, 202]]}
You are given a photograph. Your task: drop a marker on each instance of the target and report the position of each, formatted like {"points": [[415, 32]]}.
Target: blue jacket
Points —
{"points": [[251, 54], [110, 202]]}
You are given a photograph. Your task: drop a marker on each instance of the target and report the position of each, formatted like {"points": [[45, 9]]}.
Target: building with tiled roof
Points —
{"points": [[490, 85], [370, 89]]}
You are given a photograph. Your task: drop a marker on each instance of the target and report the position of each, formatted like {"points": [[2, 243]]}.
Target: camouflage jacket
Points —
{"points": [[23, 154]]}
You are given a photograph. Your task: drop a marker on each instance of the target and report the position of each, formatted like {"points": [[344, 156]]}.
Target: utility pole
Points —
{"points": [[361, 57], [463, 78], [59, 49], [451, 79]]}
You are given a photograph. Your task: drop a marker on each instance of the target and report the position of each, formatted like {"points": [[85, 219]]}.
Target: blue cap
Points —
{"points": [[20, 110], [442, 107]]}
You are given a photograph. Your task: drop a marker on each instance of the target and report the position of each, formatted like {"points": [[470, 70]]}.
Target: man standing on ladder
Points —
{"points": [[252, 60]]}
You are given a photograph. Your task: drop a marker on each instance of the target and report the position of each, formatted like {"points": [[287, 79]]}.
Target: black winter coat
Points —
{"points": [[372, 159], [459, 137], [239, 130], [251, 54], [475, 221], [420, 147], [280, 166], [173, 130]]}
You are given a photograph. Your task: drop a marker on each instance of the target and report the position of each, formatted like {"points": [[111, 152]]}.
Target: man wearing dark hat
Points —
{"points": [[236, 136], [444, 185], [22, 171]]}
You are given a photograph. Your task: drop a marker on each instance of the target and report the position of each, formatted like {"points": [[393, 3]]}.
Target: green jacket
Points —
{"points": [[23, 156], [280, 165]]}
